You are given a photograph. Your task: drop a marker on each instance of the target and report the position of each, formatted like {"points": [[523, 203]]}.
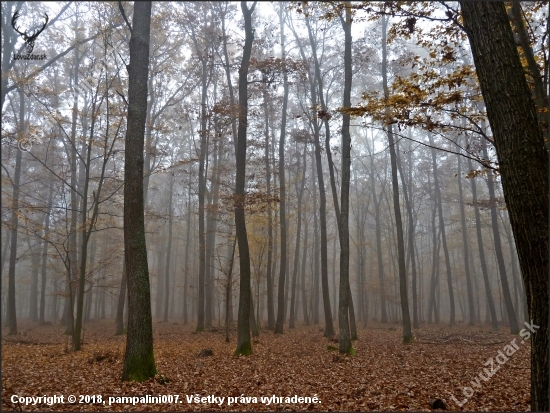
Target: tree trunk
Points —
{"points": [[139, 362], [443, 236], [511, 314], [282, 188], [481, 252], [408, 204], [270, 301], [121, 302], [304, 261], [33, 299], [202, 194], [315, 256], [44, 268], [407, 333], [523, 162], [228, 290], [471, 311], [168, 249], [244, 347], [300, 194], [378, 230], [11, 310], [345, 295]]}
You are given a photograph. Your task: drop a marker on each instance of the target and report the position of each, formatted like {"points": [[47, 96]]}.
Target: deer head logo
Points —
{"points": [[29, 38]]}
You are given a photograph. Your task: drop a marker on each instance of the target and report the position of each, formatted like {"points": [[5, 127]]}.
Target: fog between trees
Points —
{"points": [[330, 164]]}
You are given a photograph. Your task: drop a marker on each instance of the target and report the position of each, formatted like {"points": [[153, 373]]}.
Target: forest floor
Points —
{"points": [[385, 374]]}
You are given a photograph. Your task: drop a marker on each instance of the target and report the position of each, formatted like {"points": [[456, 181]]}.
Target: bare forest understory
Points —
{"points": [[384, 375]]}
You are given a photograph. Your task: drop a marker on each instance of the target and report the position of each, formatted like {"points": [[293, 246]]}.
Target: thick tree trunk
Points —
{"points": [[523, 164], [139, 362]]}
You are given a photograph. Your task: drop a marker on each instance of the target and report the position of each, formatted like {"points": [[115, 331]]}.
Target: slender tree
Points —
{"points": [[407, 333], [282, 188], [466, 252], [244, 346], [345, 293], [439, 204]]}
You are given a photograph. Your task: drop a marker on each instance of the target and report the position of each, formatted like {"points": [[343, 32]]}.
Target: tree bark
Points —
{"points": [[139, 362], [523, 164], [282, 187], [345, 294], [244, 346]]}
